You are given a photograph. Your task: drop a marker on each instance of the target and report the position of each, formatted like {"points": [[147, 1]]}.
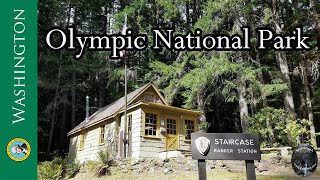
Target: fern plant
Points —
{"points": [[72, 169], [49, 171], [104, 160]]}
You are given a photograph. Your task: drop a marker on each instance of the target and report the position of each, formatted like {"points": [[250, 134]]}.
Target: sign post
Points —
{"points": [[251, 173], [202, 169], [225, 146]]}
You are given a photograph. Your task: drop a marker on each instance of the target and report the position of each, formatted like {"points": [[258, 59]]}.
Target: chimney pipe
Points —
{"points": [[95, 102], [87, 108]]}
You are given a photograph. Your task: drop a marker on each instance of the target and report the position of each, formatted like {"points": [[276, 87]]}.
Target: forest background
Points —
{"points": [[273, 93]]}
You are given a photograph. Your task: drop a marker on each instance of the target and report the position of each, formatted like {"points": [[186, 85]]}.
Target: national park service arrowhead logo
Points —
{"points": [[203, 145]]}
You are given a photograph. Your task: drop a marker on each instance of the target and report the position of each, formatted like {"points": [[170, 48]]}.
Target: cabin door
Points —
{"points": [[172, 138]]}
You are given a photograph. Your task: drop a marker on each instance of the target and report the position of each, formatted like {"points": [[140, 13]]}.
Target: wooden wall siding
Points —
{"points": [[136, 128], [141, 146], [91, 142], [151, 147], [116, 135], [73, 148]]}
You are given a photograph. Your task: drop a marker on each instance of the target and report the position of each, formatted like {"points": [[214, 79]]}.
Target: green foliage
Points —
{"points": [[199, 80], [294, 129], [275, 128], [90, 166], [101, 166], [103, 163], [53, 169], [203, 126], [267, 16], [49, 171], [72, 169], [59, 161], [104, 157]]}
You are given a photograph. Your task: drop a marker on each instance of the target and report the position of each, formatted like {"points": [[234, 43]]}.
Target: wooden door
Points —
{"points": [[172, 138]]}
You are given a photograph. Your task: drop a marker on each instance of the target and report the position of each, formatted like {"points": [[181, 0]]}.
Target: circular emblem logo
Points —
{"points": [[18, 149], [304, 160]]}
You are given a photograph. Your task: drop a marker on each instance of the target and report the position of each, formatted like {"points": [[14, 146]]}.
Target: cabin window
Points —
{"points": [[189, 126], [171, 126], [101, 134], [129, 123], [149, 97], [81, 141], [151, 124]]}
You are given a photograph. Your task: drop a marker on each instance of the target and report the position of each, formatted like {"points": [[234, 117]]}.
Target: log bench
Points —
{"points": [[284, 151]]}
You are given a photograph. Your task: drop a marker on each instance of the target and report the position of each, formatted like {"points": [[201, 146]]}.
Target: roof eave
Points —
{"points": [[196, 113], [86, 127], [173, 108]]}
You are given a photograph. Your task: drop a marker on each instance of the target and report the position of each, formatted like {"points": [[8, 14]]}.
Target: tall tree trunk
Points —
{"points": [[283, 65], [63, 122], [288, 97], [284, 68], [242, 88], [102, 90], [308, 102], [316, 17], [243, 105], [260, 77], [253, 104], [187, 14], [255, 60], [194, 11], [218, 122], [73, 100], [53, 117]]}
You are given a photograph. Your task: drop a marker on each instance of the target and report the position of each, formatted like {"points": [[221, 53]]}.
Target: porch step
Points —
{"points": [[169, 154], [186, 153]]}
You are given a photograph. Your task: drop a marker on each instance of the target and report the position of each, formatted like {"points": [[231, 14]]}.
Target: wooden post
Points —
{"points": [[202, 150], [125, 138], [251, 174], [125, 109], [202, 169], [121, 144]]}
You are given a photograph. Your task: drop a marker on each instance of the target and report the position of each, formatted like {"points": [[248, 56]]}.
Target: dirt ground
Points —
{"points": [[211, 174], [269, 168]]}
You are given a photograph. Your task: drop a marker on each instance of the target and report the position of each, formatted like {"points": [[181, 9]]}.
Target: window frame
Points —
{"points": [[157, 113], [149, 93], [184, 127], [82, 138], [102, 127], [128, 117], [177, 123]]}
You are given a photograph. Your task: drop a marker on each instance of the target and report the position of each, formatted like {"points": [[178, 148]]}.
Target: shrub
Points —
{"points": [[72, 169], [275, 127], [49, 171], [59, 161], [91, 166], [203, 126], [104, 163], [294, 129]]}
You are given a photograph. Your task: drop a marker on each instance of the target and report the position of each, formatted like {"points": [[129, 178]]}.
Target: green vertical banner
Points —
{"points": [[18, 92]]}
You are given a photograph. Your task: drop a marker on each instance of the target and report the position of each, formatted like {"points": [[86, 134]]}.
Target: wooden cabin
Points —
{"points": [[153, 128]]}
